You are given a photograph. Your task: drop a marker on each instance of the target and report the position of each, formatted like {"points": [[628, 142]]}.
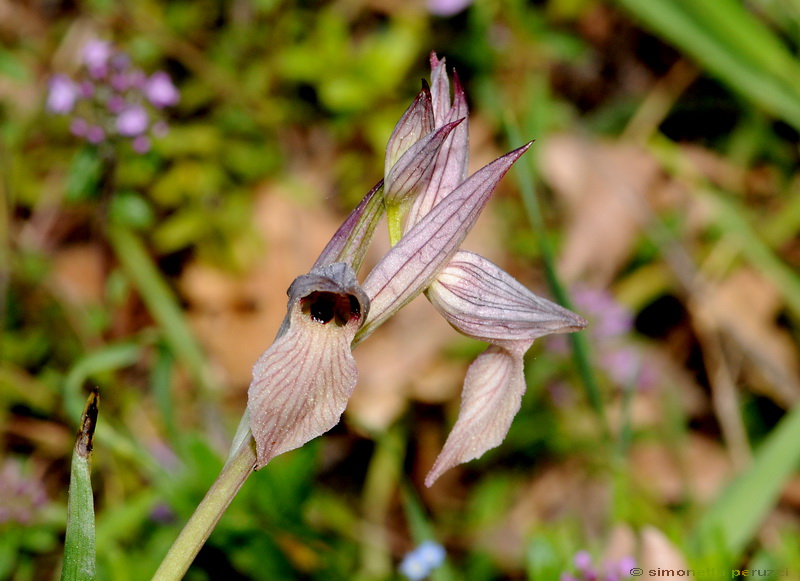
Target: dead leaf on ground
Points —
{"points": [[745, 307], [603, 187], [236, 317], [657, 551], [698, 467]]}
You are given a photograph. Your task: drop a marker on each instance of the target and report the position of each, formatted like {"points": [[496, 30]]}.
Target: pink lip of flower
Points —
{"points": [[301, 384]]}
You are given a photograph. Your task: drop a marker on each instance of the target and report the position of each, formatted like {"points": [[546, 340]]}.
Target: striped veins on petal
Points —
{"points": [[302, 383]]}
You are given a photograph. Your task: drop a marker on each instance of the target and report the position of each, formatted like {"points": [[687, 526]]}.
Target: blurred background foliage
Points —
{"points": [[661, 199]]}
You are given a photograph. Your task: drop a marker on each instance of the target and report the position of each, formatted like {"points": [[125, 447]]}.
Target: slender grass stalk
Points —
{"points": [[580, 345], [160, 301], [736, 515], [712, 35], [208, 513], [383, 476]]}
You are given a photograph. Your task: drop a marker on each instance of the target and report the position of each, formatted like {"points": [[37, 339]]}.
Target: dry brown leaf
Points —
{"points": [[610, 191], [658, 552], [745, 307], [603, 186], [77, 273], [236, 317], [699, 467]]}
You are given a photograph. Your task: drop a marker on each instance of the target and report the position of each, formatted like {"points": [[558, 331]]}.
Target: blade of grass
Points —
{"points": [[692, 34], [744, 34], [161, 302], [380, 485], [108, 358], [523, 174], [79, 544], [735, 517]]}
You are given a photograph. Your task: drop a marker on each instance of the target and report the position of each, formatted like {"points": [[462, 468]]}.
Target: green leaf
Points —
{"points": [[731, 44], [79, 546], [83, 179], [735, 517], [161, 302]]}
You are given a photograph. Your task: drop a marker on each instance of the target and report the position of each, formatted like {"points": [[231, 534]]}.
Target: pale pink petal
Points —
{"points": [[412, 172], [440, 90], [415, 122], [301, 384], [350, 242], [411, 265], [483, 301], [491, 398], [451, 166]]}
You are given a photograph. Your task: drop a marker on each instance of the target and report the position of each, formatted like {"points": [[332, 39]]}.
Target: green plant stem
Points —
{"points": [[394, 216], [208, 513], [580, 345]]}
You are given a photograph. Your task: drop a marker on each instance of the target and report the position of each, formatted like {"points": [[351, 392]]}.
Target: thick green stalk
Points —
{"points": [[208, 513]]}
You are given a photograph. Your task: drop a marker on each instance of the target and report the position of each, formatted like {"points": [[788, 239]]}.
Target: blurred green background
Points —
{"points": [[661, 200]]}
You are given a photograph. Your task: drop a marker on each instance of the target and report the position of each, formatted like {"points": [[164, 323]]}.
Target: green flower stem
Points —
{"points": [[208, 513], [394, 215]]}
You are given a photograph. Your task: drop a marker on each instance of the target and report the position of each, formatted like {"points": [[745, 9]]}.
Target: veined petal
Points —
{"points": [[440, 90], [413, 170], [411, 265], [415, 122], [451, 166], [301, 384], [491, 398], [350, 242], [483, 301]]}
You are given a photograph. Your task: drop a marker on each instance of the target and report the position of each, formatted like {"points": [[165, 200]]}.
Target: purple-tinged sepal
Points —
{"points": [[491, 398], [302, 383], [410, 266], [350, 242], [483, 301], [412, 172], [451, 166], [416, 122]]}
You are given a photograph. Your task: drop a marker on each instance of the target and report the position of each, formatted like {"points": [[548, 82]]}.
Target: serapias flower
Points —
{"points": [[302, 382]]}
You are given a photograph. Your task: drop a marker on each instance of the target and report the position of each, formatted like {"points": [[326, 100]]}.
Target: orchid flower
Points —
{"points": [[302, 383]]}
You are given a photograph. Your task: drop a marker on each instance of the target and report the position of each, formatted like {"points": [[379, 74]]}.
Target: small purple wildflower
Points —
{"points": [[96, 54], [112, 100], [62, 96], [582, 561], [21, 497], [132, 121], [420, 563], [611, 571], [160, 91], [447, 7], [79, 127], [95, 134], [141, 144]]}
